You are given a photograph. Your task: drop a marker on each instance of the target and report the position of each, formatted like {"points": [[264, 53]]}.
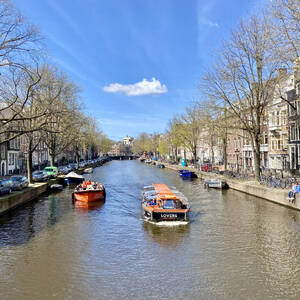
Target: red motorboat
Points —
{"points": [[89, 192]]}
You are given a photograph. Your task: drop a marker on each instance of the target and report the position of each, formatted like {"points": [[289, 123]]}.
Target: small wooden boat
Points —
{"points": [[89, 192], [215, 183], [88, 171], [161, 203]]}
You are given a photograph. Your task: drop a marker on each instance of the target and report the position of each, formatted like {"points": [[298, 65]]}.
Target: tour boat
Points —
{"points": [[89, 192], [161, 203]]}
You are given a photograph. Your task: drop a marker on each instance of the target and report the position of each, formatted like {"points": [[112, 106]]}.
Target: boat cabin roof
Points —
{"points": [[163, 192]]}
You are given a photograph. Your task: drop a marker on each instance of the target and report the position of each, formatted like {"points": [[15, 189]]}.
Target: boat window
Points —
{"points": [[169, 204], [150, 193], [151, 197]]}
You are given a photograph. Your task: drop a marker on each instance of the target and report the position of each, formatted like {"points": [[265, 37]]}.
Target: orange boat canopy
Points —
{"points": [[163, 192]]}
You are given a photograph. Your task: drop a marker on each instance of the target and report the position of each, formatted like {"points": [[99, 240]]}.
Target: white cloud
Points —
{"points": [[143, 87], [205, 21]]}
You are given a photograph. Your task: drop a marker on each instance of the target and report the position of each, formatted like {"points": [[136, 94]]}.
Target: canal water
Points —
{"points": [[235, 246]]}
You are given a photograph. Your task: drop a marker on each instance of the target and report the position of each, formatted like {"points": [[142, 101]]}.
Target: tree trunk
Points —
{"points": [[77, 160], [195, 156], [52, 159], [225, 153], [29, 161], [212, 155], [256, 153]]}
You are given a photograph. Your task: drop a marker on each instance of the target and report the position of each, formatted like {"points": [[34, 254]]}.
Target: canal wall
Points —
{"points": [[250, 187], [18, 198]]}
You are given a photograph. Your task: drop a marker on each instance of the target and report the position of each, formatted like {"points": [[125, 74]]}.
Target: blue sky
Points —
{"points": [[137, 62]]}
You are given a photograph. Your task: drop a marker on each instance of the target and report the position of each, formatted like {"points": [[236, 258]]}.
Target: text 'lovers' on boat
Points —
{"points": [[161, 203]]}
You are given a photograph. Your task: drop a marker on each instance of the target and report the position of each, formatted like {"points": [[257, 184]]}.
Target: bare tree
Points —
{"points": [[174, 137], [188, 128], [38, 113], [20, 51], [285, 15], [58, 133], [19, 39], [244, 78]]}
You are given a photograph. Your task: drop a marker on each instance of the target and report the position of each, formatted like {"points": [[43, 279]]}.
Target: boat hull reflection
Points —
{"points": [[88, 206]]}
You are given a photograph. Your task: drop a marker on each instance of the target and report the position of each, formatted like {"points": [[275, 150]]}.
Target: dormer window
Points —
{"points": [[298, 89]]}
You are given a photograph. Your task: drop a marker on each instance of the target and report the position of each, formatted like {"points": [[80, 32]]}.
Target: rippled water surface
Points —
{"points": [[235, 247]]}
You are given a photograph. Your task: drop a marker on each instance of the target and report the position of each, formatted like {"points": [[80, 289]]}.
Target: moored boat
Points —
{"points": [[215, 183], [88, 171], [89, 192], [161, 203], [187, 174], [56, 187], [161, 166], [74, 178]]}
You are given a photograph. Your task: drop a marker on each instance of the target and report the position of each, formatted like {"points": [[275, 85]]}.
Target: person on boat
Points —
{"points": [[84, 185], [89, 182], [153, 202]]}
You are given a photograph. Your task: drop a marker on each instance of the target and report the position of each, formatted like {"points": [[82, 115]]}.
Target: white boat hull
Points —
{"points": [[217, 184]]}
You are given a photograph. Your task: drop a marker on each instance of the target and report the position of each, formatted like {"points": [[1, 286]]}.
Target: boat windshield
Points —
{"points": [[151, 197], [169, 204], [150, 193]]}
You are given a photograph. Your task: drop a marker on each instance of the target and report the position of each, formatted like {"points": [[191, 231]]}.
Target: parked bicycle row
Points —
{"points": [[276, 182]]}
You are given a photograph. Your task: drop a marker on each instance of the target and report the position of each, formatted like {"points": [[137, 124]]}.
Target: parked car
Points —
{"points": [[63, 170], [73, 166], [206, 167], [6, 186], [51, 171], [19, 182], [40, 176]]}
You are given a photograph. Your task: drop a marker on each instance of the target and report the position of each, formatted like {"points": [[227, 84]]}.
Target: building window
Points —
{"points": [[292, 111], [298, 107], [2, 151], [292, 132], [11, 159], [298, 89], [284, 117], [272, 117], [284, 142], [265, 138], [277, 119]]}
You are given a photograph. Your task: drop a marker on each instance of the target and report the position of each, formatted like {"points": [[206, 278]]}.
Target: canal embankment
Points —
{"points": [[8, 202], [250, 187], [18, 198]]}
